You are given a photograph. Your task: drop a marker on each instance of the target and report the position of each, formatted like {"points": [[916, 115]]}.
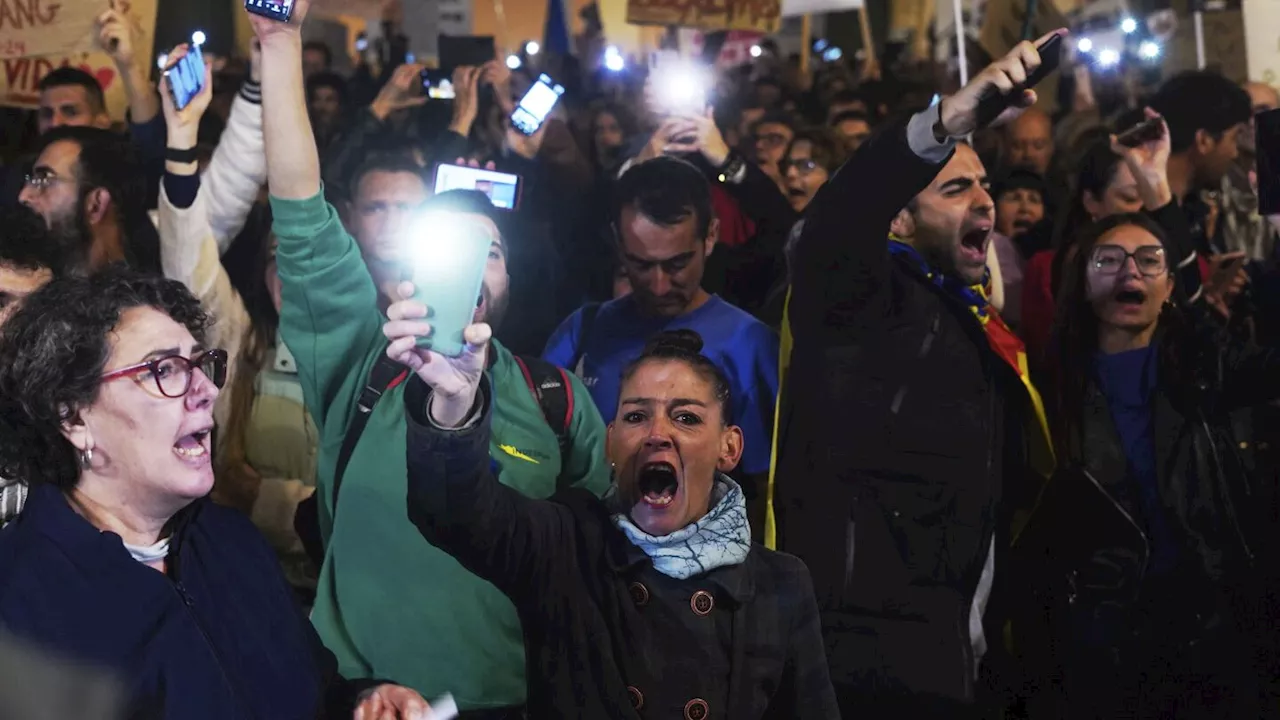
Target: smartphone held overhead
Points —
{"points": [[280, 10], [446, 264], [502, 189], [536, 105], [993, 102], [186, 77], [1144, 132]]}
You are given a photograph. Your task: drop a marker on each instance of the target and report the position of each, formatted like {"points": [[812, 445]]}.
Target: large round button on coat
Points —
{"points": [[696, 709], [639, 594], [702, 603], [637, 697]]}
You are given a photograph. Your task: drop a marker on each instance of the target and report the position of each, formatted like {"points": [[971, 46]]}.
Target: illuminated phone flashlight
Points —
{"points": [[756, 51], [1108, 57], [832, 54], [532, 48], [682, 87], [1128, 26], [513, 62], [1149, 50], [197, 37], [819, 45], [1084, 45], [162, 62], [438, 239], [613, 59]]}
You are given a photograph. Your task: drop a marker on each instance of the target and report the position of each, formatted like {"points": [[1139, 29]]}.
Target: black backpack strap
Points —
{"points": [[550, 387], [386, 374], [589, 312]]}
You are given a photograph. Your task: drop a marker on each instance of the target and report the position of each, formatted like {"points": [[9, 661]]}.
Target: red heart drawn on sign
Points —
{"points": [[105, 77]]}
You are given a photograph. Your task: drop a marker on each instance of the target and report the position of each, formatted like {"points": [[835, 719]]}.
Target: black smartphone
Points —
{"points": [[992, 102], [1142, 133], [1267, 125], [536, 105], [437, 85], [457, 50], [186, 77], [275, 9]]}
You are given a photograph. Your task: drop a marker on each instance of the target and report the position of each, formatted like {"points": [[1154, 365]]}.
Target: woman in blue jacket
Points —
{"points": [[119, 560]]}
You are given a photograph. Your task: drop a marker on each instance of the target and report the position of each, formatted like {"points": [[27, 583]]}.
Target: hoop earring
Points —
{"points": [[86, 459]]}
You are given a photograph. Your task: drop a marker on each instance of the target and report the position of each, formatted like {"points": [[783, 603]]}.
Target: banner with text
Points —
{"points": [[31, 28], [758, 15], [23, 72]]}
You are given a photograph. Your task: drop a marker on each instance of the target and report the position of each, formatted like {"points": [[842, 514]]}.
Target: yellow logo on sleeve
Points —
{"points": [[513, 452]]}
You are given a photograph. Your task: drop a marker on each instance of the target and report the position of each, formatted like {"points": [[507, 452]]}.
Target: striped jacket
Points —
{"points": [[13, 495]]}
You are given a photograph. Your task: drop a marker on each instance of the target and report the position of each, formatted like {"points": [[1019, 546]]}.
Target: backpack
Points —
{"points": [[548, 384]]}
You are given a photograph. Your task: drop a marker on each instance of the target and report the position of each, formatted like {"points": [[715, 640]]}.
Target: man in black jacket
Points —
{"points": [[907, 424]]}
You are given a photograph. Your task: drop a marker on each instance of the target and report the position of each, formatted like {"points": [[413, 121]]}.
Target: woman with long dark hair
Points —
{"points": [[1140, 549]]}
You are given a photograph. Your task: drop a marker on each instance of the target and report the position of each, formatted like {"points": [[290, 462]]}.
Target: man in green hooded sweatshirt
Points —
{"points": [[389, 604]]}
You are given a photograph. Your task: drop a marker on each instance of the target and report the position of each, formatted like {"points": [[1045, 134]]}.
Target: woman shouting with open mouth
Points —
{"points": [[650, 602]]}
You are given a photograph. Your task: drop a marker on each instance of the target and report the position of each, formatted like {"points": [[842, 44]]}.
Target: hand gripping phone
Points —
{"points": [[993, 102], [536, 105], [280, 10], [186, 77]]}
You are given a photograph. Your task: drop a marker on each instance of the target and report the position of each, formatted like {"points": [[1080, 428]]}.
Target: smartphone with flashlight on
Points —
{"points": [[186, 77], [536, 105], [993, 102], [678, 87], [502, 189], [446, 265], [437, 84], [280, 10]]}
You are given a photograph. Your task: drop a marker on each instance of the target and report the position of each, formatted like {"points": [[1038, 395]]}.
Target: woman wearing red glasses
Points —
{"points": [[119, 560]]}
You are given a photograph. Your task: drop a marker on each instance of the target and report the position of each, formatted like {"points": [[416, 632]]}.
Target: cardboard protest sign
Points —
{"points": [[758, 15], [31, 28], [22, 73]]}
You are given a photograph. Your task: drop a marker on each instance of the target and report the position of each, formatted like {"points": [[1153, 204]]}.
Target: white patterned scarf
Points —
{"points": [[719, 539]]}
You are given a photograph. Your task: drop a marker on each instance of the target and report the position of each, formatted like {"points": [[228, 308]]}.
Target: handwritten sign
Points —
{"points": [[758, 15], [47, 27], [1262, 40], [1002, 24], [20, 75]]}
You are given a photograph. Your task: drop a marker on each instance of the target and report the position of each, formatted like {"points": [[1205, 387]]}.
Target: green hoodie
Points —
{"points": [[389, 604]]}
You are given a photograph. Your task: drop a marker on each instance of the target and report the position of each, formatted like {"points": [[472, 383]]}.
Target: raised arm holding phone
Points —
{"points": [[897, 346]]}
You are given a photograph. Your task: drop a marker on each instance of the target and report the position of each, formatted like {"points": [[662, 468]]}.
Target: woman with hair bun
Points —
{"points": [[649, 602]]}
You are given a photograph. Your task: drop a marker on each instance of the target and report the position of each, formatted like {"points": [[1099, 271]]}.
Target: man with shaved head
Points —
{"points": [[1029, 142]]}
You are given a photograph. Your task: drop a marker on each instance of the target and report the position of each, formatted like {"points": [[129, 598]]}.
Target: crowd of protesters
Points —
{"points": [[813, 399]]}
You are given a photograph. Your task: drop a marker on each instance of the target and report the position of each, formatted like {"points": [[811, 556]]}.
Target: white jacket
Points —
{"points": [[192, 241]]}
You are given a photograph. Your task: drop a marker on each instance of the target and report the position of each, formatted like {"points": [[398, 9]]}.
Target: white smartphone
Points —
{"points": [[536, 105], [502, 188]]}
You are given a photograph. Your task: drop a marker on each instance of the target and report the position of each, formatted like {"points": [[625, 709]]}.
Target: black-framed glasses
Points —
{"points": [[173, 373], [1149, 259]]}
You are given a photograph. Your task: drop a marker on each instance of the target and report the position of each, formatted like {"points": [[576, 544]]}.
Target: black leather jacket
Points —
{"points": [[1094, 609]]}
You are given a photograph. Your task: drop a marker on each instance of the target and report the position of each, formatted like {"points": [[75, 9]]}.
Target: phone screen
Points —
{"points": [[1267, 126], [274, 9], [502, 189], [536, 105], [186, 78], [446, 266], [437, 84]]}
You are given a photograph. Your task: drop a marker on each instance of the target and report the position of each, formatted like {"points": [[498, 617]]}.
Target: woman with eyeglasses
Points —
{"points": [[119, 560], [1141, 549]]}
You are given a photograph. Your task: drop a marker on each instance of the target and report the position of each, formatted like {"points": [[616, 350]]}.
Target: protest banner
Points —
{"points": [[759, 15], [22, 74], [30, 28]]}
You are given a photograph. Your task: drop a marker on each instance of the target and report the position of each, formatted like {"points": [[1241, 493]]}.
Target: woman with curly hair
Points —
{"points": [[119, 560]]}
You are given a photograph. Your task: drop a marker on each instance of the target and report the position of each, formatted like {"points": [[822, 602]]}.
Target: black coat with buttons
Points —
{"points": [[606, 635]]}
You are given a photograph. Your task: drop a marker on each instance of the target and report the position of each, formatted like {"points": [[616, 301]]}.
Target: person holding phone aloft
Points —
{"points": [[386, 598]]}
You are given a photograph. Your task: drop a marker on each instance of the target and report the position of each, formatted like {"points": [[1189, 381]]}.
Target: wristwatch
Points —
{"points": [[731, 170]]}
